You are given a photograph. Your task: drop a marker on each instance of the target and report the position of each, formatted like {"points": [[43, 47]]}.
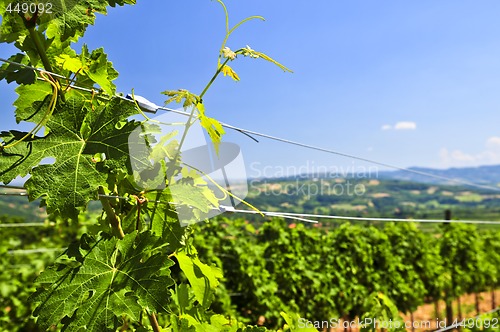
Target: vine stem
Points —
{"points": [[41, 49], [113, 219], [188, 125], [213, 78], [154, 322], [140, 201], [73, 80], [184, 134]]}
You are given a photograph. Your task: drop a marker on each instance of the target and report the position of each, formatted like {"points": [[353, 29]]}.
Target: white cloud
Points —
{"points": [[493, 142], [401, 125], [459, 158], [405, 125]]}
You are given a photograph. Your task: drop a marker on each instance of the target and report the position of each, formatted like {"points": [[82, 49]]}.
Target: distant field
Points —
{"points": [[374, 198], [19, 206]]}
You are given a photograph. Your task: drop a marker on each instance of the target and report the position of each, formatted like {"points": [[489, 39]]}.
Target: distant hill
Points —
{"points": [[385, 198], [485, 175], [390, 194], [18, 206]]}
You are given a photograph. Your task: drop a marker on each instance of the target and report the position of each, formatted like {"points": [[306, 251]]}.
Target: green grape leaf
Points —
{"points": [[249, 52], [203, 278], [213, 127], [216, 323], [228, 71], [165, 148], [181, 298], [72, 17], [70, 21], [180, 95], [61, 19], [12, 27], [113, 3], [164, 221], [292, 323], [100, 281], [198, 197], [193, 198], [192, 190], [33, 101], [21, 75], [98, 69], [68, 62], [75, 134], [181, 324]]}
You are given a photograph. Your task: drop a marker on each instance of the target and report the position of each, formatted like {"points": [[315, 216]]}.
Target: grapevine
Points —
{"points": [[135, 267], [118, 274]]}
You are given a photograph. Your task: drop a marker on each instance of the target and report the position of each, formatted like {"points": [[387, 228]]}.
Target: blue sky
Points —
{"points": [[408, 83]]}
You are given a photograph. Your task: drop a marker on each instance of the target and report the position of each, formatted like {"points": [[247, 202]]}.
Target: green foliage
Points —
{"points": [[76, 134], [383, 310], [69, 19], [212, 126], [183, 96], [15, 73], [101, 279], [32, 102], [21, 262], [148, 272], [202, 278], [292, 256], [337, 272], [465, 267], [492, 259], [121, 269], [232, 247], [96, 67], [293, 325], [418, 266]]}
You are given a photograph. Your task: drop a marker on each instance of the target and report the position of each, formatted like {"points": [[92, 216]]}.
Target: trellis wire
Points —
{"points": [[27, 224], [305, 216], [320, 216], [34, 251]]}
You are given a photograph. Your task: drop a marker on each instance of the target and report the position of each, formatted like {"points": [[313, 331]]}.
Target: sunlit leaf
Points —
{"points": [[113, 278]]}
